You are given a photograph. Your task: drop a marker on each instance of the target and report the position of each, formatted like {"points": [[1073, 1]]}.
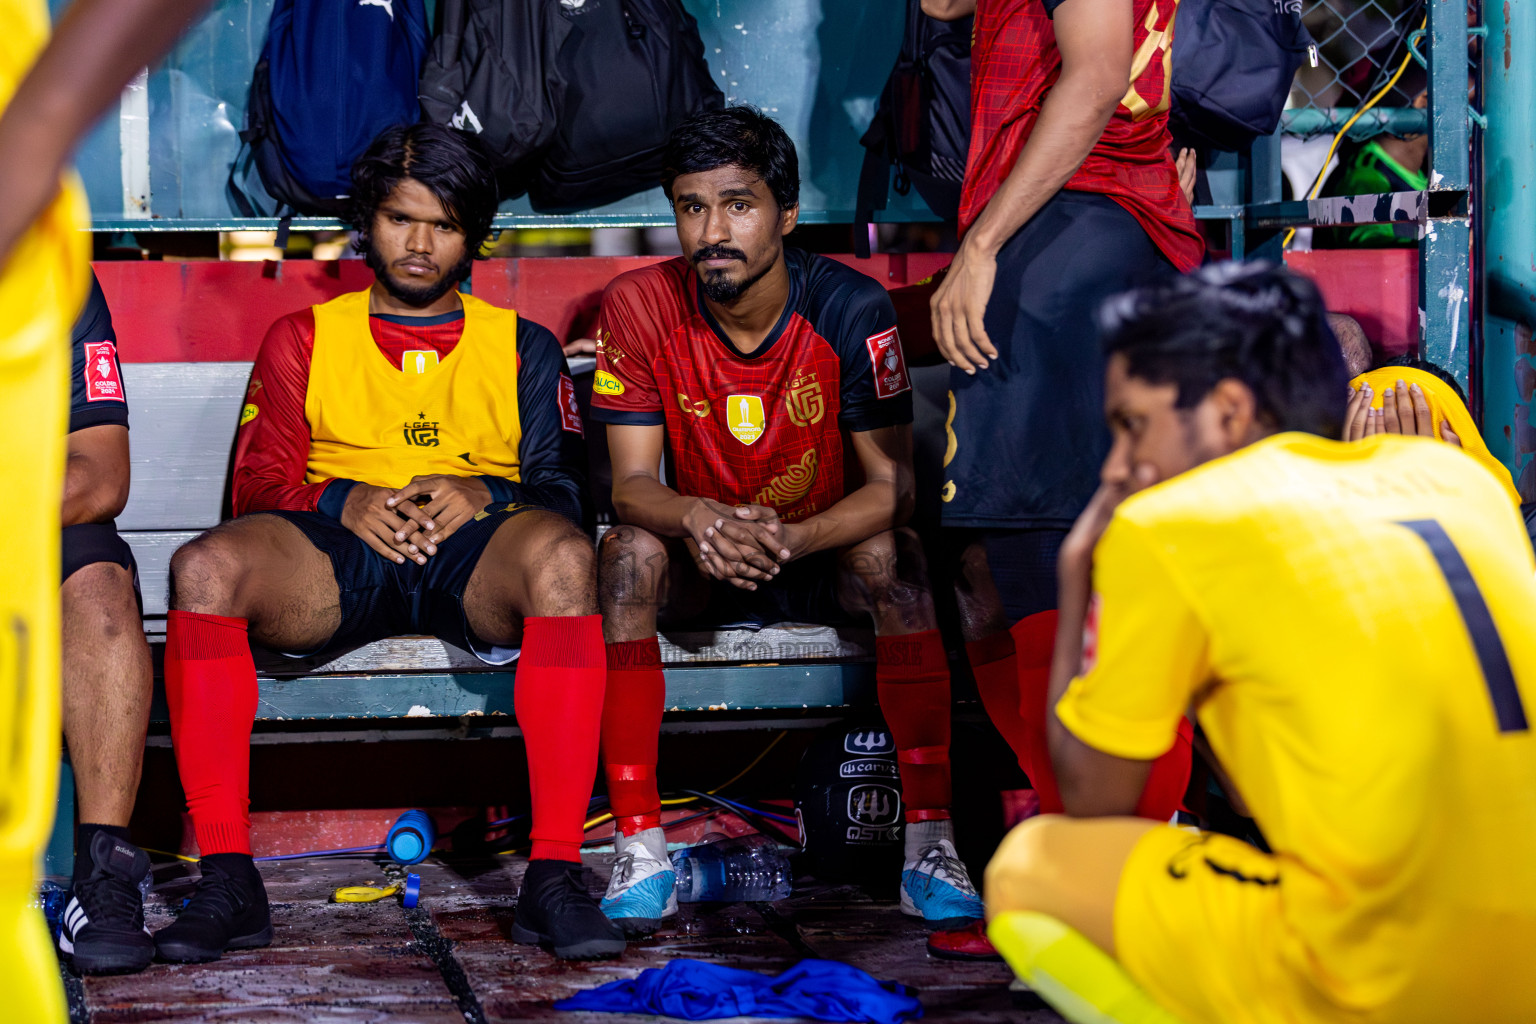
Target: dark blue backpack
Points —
{"points": [[332, 75], [1233, 62]]}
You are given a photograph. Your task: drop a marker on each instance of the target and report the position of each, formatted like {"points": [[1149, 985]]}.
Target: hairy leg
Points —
{"points": [[981, 606], [262, 569], [640, 577], [536, 564], [886, 576], [107, 685]]}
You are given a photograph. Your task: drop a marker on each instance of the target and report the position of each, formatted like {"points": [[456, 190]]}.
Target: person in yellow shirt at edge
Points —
{"points": [[50, 95], [1354, 626]]}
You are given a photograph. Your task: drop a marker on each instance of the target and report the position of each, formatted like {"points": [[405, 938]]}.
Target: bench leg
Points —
{"points": [[60, 858]]}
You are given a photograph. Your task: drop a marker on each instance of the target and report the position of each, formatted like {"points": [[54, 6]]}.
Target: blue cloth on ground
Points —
{"points": [[694, 990]]}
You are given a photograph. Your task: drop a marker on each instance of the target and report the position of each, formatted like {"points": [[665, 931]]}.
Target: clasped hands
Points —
{"points": [[741, 544], [410, 523]]}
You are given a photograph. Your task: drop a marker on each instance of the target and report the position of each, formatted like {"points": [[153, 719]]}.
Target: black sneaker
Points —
{"points": [[228, 911], [554, 910], [102, 927]]}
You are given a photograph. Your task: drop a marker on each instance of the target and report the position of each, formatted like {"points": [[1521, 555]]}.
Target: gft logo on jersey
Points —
{"points": [[744, 416], [103, 381], [890, 367], [804, 403], [869, 741], [421, 432]]}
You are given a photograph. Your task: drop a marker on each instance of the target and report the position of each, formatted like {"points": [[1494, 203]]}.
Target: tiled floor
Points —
{"points": [[451, 960]]}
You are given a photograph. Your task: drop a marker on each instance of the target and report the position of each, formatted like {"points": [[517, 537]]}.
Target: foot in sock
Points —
{"points": [[228, 911], [554, 910], [103, 923], [643, 887], [935, 885]]}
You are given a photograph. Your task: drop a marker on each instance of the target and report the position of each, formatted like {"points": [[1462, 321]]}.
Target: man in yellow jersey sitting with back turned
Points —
{"points": [[1353, 626]]}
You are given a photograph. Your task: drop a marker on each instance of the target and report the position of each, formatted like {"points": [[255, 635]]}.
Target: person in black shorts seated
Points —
{"points": [[107, 678], [407, 463], [775, 381]]}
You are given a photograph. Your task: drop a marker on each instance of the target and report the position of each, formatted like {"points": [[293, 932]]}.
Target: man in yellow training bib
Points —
{"points": [[1353, 626], [407, 462]]}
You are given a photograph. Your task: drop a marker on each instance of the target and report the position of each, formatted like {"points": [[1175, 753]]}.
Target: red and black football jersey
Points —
{"points": [[765, 427], [1015, 63]]}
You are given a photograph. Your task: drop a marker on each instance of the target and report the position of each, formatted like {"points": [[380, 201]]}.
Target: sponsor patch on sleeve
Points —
{"points": [[570, 412], [249, 413], [606, 383], [103, 378], [890, 367]]}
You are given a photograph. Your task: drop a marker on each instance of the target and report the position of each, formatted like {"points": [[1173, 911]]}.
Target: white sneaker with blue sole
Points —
{"points": [[642, 891], [936, 887]]}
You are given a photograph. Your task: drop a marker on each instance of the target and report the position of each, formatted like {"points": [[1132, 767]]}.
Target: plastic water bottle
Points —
{"points": [[50, 899], [410, 838], [745, 869]]}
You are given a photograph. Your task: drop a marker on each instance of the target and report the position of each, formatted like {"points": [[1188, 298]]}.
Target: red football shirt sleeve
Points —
{"points": [[630, 324], [272, 445]]}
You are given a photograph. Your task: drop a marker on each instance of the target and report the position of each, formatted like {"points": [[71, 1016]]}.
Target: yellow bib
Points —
{"points": [[369, 421]]}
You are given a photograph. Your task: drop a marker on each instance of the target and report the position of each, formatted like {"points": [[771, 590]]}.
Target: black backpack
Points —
{"points": [[1233, 62], [923, 123], [631, 70], [492, 71], [331, 76]]}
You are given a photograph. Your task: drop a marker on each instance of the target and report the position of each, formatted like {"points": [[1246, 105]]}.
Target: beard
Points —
{"points": [[717, 286], [417, 294]]}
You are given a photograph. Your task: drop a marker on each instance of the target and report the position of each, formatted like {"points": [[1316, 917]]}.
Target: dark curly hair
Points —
{"points": [[743, 136], [452, 165], [1255, 322]]}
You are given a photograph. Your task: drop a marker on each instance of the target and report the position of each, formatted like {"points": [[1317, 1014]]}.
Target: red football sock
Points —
{"points": [[1034, 638], [1170, 777], [210, 684], [632, 705], [996, 669], [912, 676], [559, 704]]}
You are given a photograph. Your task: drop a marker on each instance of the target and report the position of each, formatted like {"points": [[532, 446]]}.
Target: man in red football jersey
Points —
{"points": [[777, 381], [1071, 195]]}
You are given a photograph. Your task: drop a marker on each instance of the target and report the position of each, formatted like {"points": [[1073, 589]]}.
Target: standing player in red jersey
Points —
{"points": [[406, 463], [776, 380], [1070, 196]]}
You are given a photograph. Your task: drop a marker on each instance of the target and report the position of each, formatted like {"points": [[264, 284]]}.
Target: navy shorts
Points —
{"points": [[1028, 432], [381, 598], [804, 591], [88, 543]]}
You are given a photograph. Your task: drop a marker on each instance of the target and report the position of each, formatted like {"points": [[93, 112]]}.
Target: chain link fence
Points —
{"points": [[1360, 44]]}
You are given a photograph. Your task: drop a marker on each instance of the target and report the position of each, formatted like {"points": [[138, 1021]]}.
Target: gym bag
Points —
{"points": [[332, 75], [631, 70], [923, 123], [492, 72], [1233, 62]]}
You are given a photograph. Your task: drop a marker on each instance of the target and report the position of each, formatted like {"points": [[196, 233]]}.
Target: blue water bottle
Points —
{"points": [[410, 838]]}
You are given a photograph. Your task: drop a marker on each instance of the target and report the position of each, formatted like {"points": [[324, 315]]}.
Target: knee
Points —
{"points": [[98, 600], [564, 572], [1021, 872], [205, 575], [888, 569], [630, 566]]}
